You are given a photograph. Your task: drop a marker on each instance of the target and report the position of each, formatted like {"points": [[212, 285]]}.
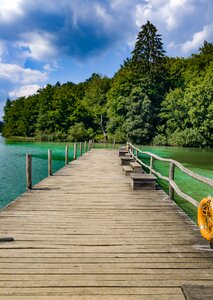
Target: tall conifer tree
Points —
{"points": [[148, 51]]}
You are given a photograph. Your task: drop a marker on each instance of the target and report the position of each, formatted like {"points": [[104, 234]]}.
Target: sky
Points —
{"points": [[45, 41]]}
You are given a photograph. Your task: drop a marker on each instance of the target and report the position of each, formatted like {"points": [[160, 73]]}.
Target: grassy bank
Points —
{"points": [[22, 139]]}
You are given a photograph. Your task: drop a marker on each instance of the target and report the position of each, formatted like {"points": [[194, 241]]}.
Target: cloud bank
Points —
{"points": [[47, 29], [17, 74], [25, 91], [40, 38]]}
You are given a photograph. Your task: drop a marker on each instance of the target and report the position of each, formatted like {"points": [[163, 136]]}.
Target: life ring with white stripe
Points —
{"points": [[205, 218]]}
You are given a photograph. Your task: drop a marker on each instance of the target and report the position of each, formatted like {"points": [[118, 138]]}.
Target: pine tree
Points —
{"points": [[148, 51], [148, 60]]}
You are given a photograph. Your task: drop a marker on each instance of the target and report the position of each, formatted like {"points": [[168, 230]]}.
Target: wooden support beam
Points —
{"points": [[49, 162], [67, 155], [28, 172], [75, 151], [81, 150], [151, 164]]}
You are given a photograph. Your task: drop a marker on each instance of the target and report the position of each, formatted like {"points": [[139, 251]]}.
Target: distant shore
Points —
{"points": [[21, 138]]}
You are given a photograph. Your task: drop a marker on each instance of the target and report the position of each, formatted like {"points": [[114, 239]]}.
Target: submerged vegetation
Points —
{"points": [[151, 99]]}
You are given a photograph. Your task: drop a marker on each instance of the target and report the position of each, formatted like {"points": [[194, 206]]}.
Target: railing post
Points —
{"points": [[171, 177], [136, 154], [85, 146], [80, 148], [151, 163], [75, 151], [28, 172], [50, 162], [67, 155]]}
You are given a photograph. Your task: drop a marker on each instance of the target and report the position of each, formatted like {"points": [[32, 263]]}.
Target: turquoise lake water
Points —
{"points": [[12, 166]]}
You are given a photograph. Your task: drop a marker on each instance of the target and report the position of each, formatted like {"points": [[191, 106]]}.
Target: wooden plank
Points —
{"points": [[122, 152], [126, 160], [192, 292], [96, 297], [49, 281], [137, 168], [84, 234], [175, 293], [96, 291], [143, 181]]}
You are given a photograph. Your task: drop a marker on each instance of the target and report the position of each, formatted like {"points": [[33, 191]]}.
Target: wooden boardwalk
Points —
{"points": [[85, 234]]}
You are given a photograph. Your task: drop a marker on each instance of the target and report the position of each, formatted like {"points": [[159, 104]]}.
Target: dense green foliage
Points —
{"points": [[151, 99]]}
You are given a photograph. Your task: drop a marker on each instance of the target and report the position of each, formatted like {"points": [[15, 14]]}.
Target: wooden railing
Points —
{"points": [[173, 187], [87, 146]]}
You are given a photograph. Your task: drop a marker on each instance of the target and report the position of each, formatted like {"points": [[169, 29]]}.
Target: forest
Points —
{"points": [[151, 99]]}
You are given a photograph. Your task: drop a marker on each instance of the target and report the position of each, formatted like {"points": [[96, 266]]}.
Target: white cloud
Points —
{"points": [[198, 38], [103, 15], [123, 4], [51, 67], [38, 45], [79, 11], [168, 12], [10, 9], [25, 91], [18, 74]]}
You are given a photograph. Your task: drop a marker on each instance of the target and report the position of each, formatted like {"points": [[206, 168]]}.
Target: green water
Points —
{"points": [[197, 160], [12, 165]]}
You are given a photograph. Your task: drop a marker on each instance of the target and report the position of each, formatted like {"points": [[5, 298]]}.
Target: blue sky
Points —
{"points": [[45, 41]]}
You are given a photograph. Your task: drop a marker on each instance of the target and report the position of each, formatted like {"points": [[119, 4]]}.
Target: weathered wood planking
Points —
{"points": [[85, 234]]}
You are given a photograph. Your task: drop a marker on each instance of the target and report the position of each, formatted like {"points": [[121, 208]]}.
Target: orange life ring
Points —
{"points": [[205, 218]]}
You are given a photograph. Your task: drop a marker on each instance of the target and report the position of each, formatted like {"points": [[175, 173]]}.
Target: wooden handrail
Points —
{"points": [[172, 185]]}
